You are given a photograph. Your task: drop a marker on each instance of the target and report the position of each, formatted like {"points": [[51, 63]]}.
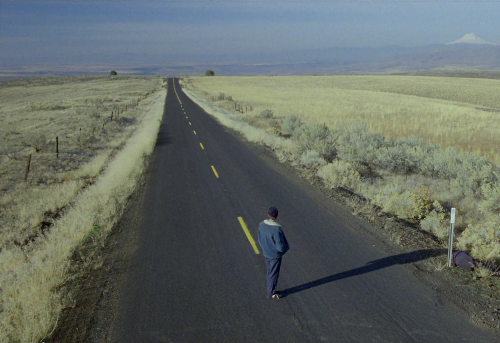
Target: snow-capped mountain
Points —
{"points": [[470, 38]]}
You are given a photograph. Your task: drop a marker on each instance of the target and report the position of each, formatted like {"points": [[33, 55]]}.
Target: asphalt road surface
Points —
{"points": [[196, 277]]}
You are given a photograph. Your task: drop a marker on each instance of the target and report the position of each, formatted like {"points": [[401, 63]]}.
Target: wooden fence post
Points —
{"points": [[57, 146], [27, 169]]}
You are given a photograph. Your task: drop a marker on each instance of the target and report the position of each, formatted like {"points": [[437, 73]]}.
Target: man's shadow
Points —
{"points": [[372, 266]]}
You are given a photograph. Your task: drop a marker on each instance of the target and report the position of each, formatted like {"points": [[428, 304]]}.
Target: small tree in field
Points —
{"points": [[209, 72], [113, 73]]}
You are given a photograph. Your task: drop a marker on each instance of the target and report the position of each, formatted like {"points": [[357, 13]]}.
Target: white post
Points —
{"points": [[450, 243]]}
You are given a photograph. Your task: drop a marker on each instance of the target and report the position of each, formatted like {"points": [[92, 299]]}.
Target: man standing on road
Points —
{"points": [[274, 246]]}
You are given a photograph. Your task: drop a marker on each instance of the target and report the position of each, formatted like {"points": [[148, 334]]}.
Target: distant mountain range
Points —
{"points": [[467, 53]]}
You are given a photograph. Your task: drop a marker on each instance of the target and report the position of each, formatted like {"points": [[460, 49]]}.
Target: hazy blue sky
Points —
{"points": [[152, 32]]}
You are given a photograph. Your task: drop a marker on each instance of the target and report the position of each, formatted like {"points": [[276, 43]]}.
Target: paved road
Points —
{"points": [[195, 277]]}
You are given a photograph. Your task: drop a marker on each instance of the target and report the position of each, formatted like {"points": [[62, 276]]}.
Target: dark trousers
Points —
{"points": [[273, 266]]}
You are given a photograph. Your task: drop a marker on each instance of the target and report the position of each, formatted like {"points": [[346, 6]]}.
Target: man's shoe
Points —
{"points": [[276, 295]]}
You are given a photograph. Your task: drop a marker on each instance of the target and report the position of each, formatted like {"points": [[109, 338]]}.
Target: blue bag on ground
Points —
{"points": [[463, 260]]}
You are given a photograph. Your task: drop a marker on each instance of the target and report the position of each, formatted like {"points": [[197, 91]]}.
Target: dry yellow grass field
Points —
{"points": [[67, 200], [78, 112], [459, 112]]}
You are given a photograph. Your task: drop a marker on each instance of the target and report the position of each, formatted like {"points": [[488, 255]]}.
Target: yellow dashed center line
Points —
{"points": [[240, 219], [175, 90], [215, 172], [249, 236]]}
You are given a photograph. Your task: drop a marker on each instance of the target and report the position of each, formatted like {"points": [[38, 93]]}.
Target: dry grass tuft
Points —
{"points": [[438, 263], [486, 270]]}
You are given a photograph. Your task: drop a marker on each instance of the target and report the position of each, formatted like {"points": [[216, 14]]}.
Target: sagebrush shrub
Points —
{"points": [[266, 114], [273, 123], [314, 137], [290, 123], [274, 130], [482, 239], [339, 174], [221, 96], [81, 139], [312, 160], [37, 141], [96, 114], [357, 146], [435, 222], [403, 156], [466, 171], [403, 204], [491, 202]]}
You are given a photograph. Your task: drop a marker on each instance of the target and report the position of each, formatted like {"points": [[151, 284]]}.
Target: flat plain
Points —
{"points": [[459, 112]]}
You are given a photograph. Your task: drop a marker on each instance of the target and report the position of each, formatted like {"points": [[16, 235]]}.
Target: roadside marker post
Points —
{"points": [[450, 243]]}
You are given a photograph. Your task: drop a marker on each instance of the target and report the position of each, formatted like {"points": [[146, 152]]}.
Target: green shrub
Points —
{"points": [[274, 131], [403, 204], [435, 222], [312, 160], [467, 172], [290, 123], [491, 202], [339, 174], [273, 123], [221, 96], [82, 138], [266, 114], [482, 239], [315, 137], [94, 124], [113, 73], [404, 156], [357, 146], [209, 72], [38, 142]]}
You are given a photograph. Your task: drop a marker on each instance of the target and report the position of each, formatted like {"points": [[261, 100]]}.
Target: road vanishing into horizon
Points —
{"points": [[197, 275]]}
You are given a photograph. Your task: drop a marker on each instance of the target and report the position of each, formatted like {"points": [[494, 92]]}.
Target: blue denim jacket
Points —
{"points": [[272, 239]]}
